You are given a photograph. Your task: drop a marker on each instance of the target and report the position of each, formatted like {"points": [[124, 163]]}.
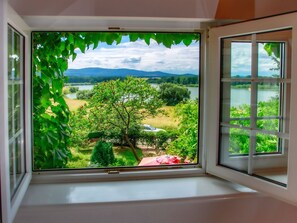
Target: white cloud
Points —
{"points": [[137, 55], [241, 60]]}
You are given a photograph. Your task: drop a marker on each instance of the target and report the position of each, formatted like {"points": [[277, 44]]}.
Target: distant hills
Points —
{"points": [[104, 72]]}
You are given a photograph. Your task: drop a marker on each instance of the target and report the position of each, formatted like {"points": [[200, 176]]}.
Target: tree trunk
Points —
{"points": [[132, 148]]}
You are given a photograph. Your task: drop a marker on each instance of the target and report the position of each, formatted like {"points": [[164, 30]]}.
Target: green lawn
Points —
{"points": [[81, 157]]}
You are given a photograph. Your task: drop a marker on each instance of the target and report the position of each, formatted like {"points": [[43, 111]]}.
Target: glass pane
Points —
{"points": [[273, 168], [19, 158], [272, 47], [10, 53], [17, 56], [235, 99], [17, 164], [267, 143], [285, 99], [234, 143], [269, 65], [11, 166], [15, 109], [268, 107], [237, 61], [10, 110]]}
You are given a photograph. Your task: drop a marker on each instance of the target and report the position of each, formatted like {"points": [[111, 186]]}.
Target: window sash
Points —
{"points": [[16, 99], [252, 130], [265, 25]]}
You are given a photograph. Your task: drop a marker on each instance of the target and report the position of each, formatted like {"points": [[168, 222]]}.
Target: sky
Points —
{"points": [[241, 60], [178, 59]]}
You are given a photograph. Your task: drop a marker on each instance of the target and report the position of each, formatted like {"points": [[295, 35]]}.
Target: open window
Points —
{"points": [[115, 100], [255, 104], [14, 116], [253, 109]]}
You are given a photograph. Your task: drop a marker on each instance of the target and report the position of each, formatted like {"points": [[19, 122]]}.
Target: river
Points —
{"points": [[239, 96]]}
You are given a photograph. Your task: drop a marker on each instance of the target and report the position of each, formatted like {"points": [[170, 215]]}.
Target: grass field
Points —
{"points": [[163, 121], [160, 121], [74, 104], [81, 158], [127, 156]]}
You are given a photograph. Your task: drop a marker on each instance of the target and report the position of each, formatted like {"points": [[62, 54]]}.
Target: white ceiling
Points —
{"points": [[144, 14], [128, 8], [126, 14]]}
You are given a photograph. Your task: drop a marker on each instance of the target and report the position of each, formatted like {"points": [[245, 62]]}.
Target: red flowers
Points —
{"points": [[167, 159]]}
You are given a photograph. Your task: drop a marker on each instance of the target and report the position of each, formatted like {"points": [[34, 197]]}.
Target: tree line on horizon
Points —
{"points": [[180, 80]]}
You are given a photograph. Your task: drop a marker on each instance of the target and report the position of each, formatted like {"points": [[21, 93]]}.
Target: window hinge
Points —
{"points": [[113, 172]]}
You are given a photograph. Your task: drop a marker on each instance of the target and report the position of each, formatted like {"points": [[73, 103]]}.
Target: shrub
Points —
{"points": [[84, 94], [73, 89], [186, 143], [95, 135], [159, 140], [173, 94], [163, 138], [102, 154]]}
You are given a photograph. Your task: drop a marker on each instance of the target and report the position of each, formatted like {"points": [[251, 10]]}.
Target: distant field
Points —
{"points": [[163, 121], [160, 121], [74, 104]]}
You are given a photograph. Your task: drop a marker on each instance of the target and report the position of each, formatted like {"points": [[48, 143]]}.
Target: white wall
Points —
{"points": [[243, 209]]}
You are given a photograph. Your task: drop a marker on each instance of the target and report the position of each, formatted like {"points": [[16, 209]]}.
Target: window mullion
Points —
{"points": [[253, 117], [13, 152]]}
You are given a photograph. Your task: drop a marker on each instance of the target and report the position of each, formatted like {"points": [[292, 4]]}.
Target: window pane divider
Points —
{"points": [[257, 80], [14, 81], [258, 118], [268, 132]]}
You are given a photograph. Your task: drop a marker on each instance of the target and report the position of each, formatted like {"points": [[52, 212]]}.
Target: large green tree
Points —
{"points": [[172, 94], [122, 105]]}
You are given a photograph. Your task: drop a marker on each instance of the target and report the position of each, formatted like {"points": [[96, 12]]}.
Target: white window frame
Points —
{"points": [[262, 160], [63, 175], [55, 175], [213, 106], [9, 203]]}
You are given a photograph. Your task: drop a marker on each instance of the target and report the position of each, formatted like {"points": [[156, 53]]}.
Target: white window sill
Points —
{"points": [[203, 187]]}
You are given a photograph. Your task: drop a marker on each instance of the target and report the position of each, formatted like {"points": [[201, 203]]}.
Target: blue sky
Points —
{"points": [[241, 60], [179, 59]]}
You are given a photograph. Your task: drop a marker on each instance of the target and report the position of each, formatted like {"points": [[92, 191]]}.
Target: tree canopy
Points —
{"points": [[122, 105], [172, 94]]}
